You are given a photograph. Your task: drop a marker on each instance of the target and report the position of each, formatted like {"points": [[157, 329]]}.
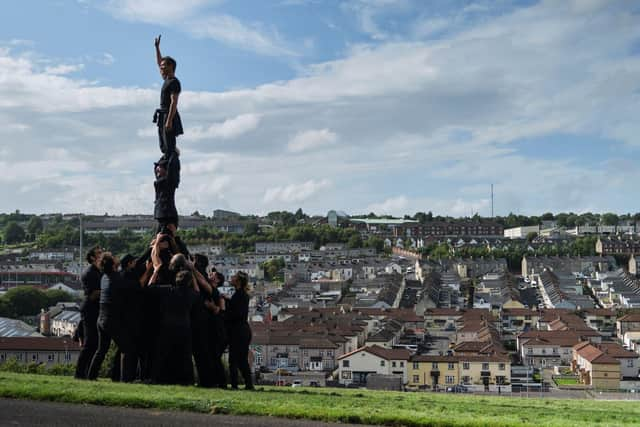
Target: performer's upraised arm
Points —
{"points": [[158, 54]]}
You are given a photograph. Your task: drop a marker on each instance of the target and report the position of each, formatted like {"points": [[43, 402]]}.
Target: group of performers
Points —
{"points": [[163, 309]]}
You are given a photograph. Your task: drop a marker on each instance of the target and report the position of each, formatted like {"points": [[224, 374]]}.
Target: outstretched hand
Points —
{"points": [[157, 41]]}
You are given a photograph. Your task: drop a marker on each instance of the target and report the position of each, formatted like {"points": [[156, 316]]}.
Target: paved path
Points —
{"points": [[32, 413]]}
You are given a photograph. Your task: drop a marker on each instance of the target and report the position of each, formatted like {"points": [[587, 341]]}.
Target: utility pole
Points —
{"points": [[80, 257], [492, 201]]}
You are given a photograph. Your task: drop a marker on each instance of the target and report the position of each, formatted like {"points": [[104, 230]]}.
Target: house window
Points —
{"points": [[382, 363], [501, 366], [345, 363], [451, 366], [416, 378], [630, 363], [555, 350], [401, 364], [466, 379], [346, 375], [34, 357], [273, 361], [434, 365], [529, 350], [465, 365], [500, 380], [449, 379], [322, 354], [50, 357], [67, 356], [393, 364], [544, 351], [330, 353], [293, 362], [416, 365], [485, 366]]}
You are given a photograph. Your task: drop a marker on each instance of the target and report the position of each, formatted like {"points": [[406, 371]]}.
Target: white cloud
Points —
{"points": [[156, 11], [392, 206], [231, 31], [295, 192], [195, 18], [311, 140], [229, 129], [438, 118], [64, 69], [107, 59]]}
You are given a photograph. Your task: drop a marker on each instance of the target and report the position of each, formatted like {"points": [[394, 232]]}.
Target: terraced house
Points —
{"points": [[433, 372]]}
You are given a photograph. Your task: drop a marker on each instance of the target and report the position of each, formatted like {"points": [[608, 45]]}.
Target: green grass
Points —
{"points": [[566, 381], [355, 406]]}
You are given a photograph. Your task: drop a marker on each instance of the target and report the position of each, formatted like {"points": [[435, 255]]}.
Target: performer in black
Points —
{"points": [[216, 306], [110, 320], [202, 345], [89, 312], [167, 116], [167, 173], [172, 361], [239, 331]]}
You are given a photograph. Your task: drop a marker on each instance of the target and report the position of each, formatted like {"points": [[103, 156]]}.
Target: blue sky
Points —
{"points": [[392, 106]]}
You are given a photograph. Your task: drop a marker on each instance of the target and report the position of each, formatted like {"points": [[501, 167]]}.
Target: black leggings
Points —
{"points": [[128, 361], [239, 360]]}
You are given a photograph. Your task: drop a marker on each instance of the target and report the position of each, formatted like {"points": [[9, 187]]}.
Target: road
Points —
{"points": [[31, 413]]}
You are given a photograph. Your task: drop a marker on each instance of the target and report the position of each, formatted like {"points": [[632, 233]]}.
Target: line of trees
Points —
{"points": [[25, 301]]}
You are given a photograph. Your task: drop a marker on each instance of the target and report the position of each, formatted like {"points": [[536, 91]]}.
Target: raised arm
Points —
{"points": [[158, 54]]}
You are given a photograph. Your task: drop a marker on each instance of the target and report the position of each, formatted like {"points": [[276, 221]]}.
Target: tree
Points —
{"points": [[355, 241], [13, 233], [610, 219], [34, 226], [273, 267], [251, 229], [25, 301], [532, 235]]}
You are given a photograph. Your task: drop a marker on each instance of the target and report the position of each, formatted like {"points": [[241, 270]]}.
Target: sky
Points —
{"points": [[390, 106]]}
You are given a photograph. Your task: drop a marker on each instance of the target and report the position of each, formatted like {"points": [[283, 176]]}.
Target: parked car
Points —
{"points": [[458, 388], [296, 383]]}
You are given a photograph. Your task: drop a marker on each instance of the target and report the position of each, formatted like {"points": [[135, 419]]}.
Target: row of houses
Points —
{"points": [[423, 371]]}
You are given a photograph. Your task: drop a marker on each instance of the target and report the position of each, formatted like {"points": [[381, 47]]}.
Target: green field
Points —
{"points": [[354, 406], [567, 381]]}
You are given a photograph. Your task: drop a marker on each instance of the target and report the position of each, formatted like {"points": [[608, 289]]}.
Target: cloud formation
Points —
{"points": [[400, 125]]}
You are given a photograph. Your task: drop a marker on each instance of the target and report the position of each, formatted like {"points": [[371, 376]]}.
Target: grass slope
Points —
{"points": [[354, 406]]}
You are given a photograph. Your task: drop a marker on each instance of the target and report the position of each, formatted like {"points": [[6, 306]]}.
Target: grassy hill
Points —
{"points": [[354, 406]]}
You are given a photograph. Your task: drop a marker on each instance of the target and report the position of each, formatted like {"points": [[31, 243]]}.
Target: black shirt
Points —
{"points": [[171, 85], [238, 308], [90, 282]]}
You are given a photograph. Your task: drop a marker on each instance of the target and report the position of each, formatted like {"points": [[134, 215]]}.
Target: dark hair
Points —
{"points": [[244, 280], [200, 263], [184, 278], [178, 263], [169, 60], [107, 263], [220, 277], [91, 255]]}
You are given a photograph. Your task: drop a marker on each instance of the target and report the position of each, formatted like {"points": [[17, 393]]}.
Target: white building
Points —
{"points": [[354, 367], [521, 232]]}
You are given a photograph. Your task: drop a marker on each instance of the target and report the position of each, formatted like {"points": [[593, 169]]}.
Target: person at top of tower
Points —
{"points": [[167, 116]]}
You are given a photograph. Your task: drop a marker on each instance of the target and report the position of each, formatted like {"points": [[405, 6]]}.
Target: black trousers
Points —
{"points": [[128, 361], [239, 356], [89, 343], [218, 346], [202, 350], [172, 359], [167, 140]]}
